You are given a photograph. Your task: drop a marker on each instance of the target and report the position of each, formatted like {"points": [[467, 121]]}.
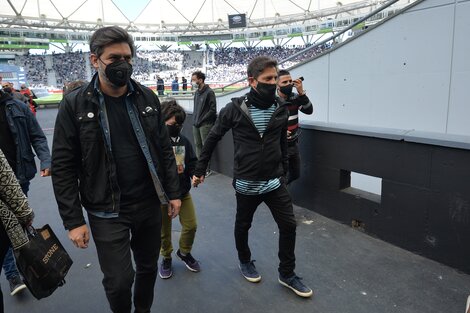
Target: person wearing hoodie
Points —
{"points": [[258, 121]]}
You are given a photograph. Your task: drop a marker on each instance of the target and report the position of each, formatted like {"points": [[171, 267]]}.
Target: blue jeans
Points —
{"points": [[9, 265]]}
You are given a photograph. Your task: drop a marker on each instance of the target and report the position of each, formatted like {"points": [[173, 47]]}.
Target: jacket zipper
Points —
{"points": [[261, 136]]}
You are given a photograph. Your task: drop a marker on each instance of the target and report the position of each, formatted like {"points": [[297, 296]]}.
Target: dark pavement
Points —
{"points": [[349, 271]]}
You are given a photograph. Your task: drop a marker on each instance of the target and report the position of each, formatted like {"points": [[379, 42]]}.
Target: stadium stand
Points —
{"points": [[223, 65]]}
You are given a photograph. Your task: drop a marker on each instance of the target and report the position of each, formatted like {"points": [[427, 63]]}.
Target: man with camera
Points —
{"points": [[294, 102]]}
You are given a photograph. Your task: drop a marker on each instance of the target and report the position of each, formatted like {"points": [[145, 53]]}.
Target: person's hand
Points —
{"points": [[197, 180], [174, 208], [299, 86], [46, 172], [80, 236]]}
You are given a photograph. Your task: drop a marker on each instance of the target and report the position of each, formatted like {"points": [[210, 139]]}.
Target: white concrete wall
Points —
{"points": [[412, 72]]}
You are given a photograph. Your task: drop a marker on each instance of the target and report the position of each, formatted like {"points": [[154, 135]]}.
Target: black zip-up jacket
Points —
{"points": [[83, 169], [206, 106], [255, 157]]}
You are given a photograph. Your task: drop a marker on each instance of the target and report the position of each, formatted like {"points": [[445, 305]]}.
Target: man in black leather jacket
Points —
{"points": [[112, 155]]}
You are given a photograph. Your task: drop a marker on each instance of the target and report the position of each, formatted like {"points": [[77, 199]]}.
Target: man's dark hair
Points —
{"points": [[259, 64], [73, 85], [171, 108], [199, 75], [106, 36], [282, 73]]}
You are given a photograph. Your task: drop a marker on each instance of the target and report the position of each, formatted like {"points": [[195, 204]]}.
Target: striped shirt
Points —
{"points": [[248, 187], [295, 103]]}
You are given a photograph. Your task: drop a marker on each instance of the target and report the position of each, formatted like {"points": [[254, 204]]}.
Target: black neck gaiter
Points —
{"points": [[262, 101]]}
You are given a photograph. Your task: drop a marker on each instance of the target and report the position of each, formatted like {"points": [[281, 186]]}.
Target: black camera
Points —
{"points": [[301, 78]]}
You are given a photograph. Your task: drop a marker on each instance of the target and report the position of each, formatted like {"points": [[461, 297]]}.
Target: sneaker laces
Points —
{"points": [[250, 266], [189, 258], [296, 282]]}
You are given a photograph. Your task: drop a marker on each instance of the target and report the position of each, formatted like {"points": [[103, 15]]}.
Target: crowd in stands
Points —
{"points": [[69, 67], [147, 63], [224, 65], [35, 68], [193, 59]]}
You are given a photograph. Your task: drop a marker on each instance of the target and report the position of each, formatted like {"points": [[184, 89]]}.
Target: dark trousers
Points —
{"points": [[8, 261], [138, 228], [280, 204], [294, 162], [4, 246]]}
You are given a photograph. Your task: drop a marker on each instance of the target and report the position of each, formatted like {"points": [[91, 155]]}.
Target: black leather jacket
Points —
{"points": [[83, 170]]}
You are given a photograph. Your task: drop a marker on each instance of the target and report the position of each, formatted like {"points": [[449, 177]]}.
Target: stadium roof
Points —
{"points": [[153, 12]]}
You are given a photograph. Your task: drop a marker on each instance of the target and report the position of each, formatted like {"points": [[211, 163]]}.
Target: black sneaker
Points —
{"points": [[189, 261], [249, 271], [208, 173], [16, 285], [296, 286], [165, 270]]}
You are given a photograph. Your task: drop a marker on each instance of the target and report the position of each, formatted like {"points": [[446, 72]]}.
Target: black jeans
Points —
{"points": [[4, 246], [280, 204], [294, 162], [138, 228]]}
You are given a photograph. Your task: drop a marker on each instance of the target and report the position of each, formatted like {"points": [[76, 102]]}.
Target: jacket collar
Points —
{"points": [[4, 97]]}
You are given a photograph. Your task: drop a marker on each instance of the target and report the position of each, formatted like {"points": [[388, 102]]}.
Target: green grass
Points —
{"points": [[51, 99]]}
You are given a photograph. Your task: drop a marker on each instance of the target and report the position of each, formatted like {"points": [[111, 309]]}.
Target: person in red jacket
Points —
{"points": [[27, 93]]}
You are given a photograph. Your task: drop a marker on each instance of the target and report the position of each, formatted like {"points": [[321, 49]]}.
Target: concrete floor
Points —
{"points": [[349, 271]]}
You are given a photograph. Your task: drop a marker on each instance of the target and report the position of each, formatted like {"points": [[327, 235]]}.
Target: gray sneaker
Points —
{"points": [[16, 285], [249, 271], [165, 271], [296, 286]]}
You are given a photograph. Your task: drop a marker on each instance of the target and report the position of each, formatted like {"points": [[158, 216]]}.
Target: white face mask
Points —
{"points": [[195, 85]]}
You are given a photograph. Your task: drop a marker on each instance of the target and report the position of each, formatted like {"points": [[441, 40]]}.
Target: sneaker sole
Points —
{"points": [[250, 279], [18, 289], [187, 266], [299, 293], [165, 277]]}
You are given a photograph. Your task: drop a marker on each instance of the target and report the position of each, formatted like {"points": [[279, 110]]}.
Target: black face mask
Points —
{"points": [[264, 96], [267, 91], [174, 130], [7, 89], [118, 72], [287, 90]]}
